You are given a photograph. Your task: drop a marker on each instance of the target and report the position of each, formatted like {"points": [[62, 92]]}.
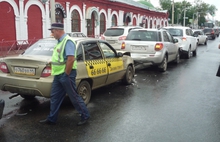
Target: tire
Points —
{"points": [[163, 66], [177, 60], [195, 52], [84, 90], [205, 42], [188, 54], [129, 75], [27, 97]]}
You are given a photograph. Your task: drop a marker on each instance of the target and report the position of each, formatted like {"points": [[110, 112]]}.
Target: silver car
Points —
{"points": [[152, 47], [116, 35]]}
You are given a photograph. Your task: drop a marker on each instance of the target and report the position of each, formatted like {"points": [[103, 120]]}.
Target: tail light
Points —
{"points": [[102, 37], [46, 72], [123, 45], [158, 46], [122, 38], [4, 68], [184, 39]]}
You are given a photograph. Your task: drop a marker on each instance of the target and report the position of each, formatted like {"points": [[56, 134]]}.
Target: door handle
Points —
{"points": [[91, 67]]}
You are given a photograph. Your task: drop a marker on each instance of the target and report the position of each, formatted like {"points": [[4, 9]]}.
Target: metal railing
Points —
{"points": [[14, 47]]}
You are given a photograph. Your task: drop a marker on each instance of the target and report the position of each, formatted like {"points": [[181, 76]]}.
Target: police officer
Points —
{"points": [[64, 67]]}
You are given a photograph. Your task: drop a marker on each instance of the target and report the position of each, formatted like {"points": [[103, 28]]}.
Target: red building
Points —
{"points": [[23, 20]]}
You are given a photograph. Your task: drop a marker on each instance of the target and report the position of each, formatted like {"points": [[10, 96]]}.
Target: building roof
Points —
{"points": [[146, 5]]}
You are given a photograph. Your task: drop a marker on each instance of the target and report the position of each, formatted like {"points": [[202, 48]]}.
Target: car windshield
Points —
{"points": [[142, 35], [41, 47], [207, 30], [175, 32], [114, 32]]}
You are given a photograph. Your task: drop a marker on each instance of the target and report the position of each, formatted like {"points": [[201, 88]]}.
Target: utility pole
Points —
{"points": [[173, 13], [184, 17]]}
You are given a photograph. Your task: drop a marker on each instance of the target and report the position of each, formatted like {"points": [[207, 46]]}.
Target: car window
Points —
{"points": [[175, 32], [108, 52], [92, 51], [188, 32], [170, 37], [41, 47], [142, 35], [114, 32], [165, 36], [79, 53]]}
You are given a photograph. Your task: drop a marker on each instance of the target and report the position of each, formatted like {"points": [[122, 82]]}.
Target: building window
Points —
{"points": [[114, 20], [59, 15], [102, 23], [75, 21]]}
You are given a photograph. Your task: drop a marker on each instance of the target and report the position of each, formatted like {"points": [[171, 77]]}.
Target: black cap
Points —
{"points": [[56, 26]]}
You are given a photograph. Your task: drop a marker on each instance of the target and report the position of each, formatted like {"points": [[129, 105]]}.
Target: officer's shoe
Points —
{"points": [[81, 122], [45, 121]]}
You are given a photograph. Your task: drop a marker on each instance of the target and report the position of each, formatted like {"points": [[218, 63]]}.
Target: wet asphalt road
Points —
{"points": [[180, 105]]}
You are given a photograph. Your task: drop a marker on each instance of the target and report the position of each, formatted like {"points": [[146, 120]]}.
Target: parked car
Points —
{"points": [[201, 37], [29, 74], [152, 47], [186, 40], [76, 34], [210, 32], [115, 35]]}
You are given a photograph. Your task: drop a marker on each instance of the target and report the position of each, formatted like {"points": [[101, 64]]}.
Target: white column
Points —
{"points": [[109, 23], [21, 23], [83, 21], [120, 17], [68, 23]]}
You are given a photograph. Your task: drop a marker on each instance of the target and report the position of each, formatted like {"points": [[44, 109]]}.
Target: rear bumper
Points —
{"points": [[149, 59], [26, 86]]}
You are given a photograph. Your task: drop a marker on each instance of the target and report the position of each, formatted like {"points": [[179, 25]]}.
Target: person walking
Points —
{"points": [[64, 67]]}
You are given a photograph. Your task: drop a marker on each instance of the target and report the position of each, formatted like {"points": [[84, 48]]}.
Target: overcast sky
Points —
{"points": [[211, 2]]}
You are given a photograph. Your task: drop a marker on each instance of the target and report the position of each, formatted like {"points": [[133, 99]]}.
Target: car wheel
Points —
{"points": [[84, 90], [205, 42], [27, 97], [188, 54], [195, 52], [129, 75], [177, 60], [163, 66]]}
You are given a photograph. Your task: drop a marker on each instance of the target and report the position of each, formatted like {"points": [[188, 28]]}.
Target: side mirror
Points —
{"points": [[175, 40], [120, 54]]}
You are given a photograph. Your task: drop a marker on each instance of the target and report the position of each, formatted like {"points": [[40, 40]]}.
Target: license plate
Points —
{"points": [[111, 41], [24, 71], [139, 48]]}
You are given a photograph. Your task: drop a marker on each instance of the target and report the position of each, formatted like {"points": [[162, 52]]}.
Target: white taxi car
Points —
{"points": [[29, 74]]}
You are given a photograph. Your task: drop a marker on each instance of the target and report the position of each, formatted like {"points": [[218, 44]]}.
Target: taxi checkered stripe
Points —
{"points": [[94, 62], [112, 59]]}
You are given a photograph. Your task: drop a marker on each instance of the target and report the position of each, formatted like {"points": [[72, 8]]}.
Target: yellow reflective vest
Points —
{"points": [[58, 64]]}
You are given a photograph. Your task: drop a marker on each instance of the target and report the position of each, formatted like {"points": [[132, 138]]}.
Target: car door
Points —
{"points": [[169, 45], [114, 63], [95, 63], [192, 39]]}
